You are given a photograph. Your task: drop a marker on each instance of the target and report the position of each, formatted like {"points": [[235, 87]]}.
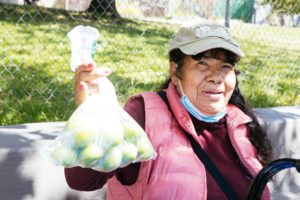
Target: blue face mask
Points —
{"points": [[200, 116], [196, 113]]}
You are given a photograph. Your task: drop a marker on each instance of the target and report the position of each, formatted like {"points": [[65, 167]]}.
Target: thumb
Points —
{"points": [[81, 92]]}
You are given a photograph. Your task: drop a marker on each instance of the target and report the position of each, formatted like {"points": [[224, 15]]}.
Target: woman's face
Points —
{"points": [[207, 82]]}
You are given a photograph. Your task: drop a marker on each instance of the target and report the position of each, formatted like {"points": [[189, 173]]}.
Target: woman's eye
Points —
{"points": [[202, 65], [227, 67], [202, 62]]}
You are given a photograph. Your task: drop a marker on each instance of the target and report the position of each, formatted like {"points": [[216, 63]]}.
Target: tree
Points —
{"points": [[104, 8], [284, 6]]}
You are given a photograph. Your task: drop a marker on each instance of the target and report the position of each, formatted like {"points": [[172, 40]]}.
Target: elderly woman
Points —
{"points": [[201, 105]]}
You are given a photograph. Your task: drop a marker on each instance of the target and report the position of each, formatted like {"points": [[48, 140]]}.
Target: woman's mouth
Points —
{"points": [[213, 94]]}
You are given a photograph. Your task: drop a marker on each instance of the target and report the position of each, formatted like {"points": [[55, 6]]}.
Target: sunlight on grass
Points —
{"points": [[36, 81]]}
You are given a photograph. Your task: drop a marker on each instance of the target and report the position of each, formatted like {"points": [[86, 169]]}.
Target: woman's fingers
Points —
{"points": [[85, 67], [81, 92], [85, 82], [93, 74]]}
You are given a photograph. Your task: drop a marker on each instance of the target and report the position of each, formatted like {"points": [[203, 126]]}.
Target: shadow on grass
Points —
{"points": [[35, 15], [134, 45], [33, 93], [39, 97]]}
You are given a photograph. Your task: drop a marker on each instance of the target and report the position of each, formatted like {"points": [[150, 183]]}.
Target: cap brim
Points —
{"points": [[210, 43]]}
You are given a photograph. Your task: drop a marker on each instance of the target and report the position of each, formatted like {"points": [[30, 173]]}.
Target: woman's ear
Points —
{"points": [[173, 73]]}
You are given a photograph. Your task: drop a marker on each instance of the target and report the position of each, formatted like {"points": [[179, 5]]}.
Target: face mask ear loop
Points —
{"points": [[180, 88]]}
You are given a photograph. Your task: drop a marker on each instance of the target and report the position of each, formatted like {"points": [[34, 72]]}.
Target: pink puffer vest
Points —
{"points": [[177, 173]]}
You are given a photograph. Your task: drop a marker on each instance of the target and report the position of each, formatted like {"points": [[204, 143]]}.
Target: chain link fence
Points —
{"points": [[35, 75]]}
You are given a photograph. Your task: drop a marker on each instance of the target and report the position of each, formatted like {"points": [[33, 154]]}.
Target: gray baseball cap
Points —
{"points": [[199, 36]]}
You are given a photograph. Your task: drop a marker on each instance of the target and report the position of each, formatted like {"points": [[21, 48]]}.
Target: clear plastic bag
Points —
{"points": [[83, 43], [99, 134]]}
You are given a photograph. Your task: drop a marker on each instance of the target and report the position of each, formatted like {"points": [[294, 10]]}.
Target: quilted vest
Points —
{"points": [[177, 173]]}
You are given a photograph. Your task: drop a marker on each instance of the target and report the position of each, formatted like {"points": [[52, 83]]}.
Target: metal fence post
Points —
{"points": [[227, 13]]}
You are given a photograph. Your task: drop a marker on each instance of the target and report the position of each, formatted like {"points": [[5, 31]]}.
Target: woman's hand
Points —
{"points": [[85, 81]]}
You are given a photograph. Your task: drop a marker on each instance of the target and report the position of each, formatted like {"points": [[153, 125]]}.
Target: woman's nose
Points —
{"points": [[215, 75]]}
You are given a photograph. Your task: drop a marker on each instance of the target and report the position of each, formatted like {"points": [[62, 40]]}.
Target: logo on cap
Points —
{"points": [[211, 31]]}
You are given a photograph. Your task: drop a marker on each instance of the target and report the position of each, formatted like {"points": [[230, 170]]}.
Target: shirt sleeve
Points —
{"points": [[84, 179]]}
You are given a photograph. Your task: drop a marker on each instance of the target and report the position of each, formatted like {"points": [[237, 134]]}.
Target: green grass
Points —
{"points": [[271, 68], [35, 76]]}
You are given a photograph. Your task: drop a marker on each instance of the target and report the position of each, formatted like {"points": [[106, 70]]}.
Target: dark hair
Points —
{"points": [[258, 136]]}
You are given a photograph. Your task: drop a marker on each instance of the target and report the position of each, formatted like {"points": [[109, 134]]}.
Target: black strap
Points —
{"points": [[208, 163]]}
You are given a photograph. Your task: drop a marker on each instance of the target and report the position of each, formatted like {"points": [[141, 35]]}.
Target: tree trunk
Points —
{"points": [[104, 8], [30, 1]]}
